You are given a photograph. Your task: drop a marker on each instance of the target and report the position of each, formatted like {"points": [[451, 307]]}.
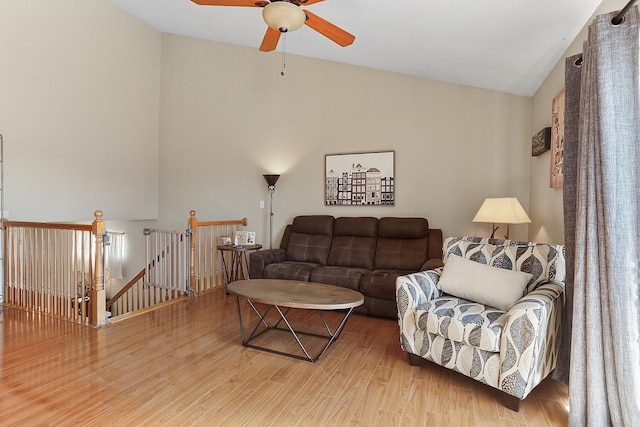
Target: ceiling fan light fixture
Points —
{"points": [[283, 16]]}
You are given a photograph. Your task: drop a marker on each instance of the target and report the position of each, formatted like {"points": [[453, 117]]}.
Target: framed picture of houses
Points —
{"points": [[557, 141], [360, 179]]}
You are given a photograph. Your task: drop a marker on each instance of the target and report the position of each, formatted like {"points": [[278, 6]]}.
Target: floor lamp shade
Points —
{"points": [[271, 182], [271, 179]]}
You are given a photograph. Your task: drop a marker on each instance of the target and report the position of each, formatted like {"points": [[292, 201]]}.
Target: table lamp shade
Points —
{"points": [[505, 210]]}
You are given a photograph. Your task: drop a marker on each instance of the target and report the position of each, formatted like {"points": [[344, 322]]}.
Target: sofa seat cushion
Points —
{"points": [[340, 276], [381, 283], [289, 270], [463, 321]]}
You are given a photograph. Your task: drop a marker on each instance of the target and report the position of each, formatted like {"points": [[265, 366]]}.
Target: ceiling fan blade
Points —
{"points": [[270, 40], [248, 3], [328, 30]]}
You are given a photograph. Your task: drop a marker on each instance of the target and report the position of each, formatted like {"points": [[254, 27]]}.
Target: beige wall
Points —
{"points": [[227, 117], [171, 124], [79, 110], [546, 210]]}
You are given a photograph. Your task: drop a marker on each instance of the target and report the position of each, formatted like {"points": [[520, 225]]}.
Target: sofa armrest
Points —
{"points": [[412, 292], [432, 264], [529, 342], [258, 260]]}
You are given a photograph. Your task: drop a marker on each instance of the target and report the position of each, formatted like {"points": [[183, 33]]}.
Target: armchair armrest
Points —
{"points": [[413, 291], [529, 342], [258, 260]]}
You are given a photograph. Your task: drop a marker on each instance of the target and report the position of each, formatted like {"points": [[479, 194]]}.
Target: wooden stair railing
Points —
{"points": [[125, 289], [118, 297], [136, 297], [205, 270], [56, 269]]}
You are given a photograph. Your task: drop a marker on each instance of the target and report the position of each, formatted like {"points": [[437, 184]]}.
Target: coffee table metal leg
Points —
{"points": [[261, 320], [331, 337], [293, 332], [240, 319], [261, 316], [226, 273], [326, 326], [276, 326]]}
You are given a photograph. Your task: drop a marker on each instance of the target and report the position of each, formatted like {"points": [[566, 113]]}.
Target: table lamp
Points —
{"points": [[504, 210]]}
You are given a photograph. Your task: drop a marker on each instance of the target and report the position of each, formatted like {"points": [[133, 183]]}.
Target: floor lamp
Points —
{"points": [[271, 182]]}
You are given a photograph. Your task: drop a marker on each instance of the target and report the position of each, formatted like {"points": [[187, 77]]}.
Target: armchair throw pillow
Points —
{"points": [[497, 287]]}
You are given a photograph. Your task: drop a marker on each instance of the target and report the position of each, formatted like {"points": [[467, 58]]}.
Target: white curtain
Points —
{"points": [[114, 254], [604, 363]]}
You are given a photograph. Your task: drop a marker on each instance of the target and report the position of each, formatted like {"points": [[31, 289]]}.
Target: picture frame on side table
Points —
{"points": [[244, 238], [360, 179]]}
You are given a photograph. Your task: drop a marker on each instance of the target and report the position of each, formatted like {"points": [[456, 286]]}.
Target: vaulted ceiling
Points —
{"points": [[504, 45]]}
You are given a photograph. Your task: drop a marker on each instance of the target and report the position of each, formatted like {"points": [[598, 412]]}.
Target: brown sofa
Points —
{"points": [[362, 253]]}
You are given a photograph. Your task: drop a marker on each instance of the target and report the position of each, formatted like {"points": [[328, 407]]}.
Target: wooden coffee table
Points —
{"points": [[288, 294]]}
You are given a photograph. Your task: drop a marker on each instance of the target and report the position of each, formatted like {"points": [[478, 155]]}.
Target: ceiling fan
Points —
{"points": [[282, 16]]}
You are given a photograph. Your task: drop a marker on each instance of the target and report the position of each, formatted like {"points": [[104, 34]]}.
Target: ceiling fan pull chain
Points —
{"points": [[284, 53]]}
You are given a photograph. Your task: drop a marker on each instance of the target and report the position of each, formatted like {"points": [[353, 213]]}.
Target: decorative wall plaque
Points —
{"points": [[557, 141], [541, 142]]}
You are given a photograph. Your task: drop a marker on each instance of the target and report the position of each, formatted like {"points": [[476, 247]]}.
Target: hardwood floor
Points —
{"points": [[184, 365]]}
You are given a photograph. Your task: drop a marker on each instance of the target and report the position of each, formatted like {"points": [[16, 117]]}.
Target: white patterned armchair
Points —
{"points": [[511, 349]]}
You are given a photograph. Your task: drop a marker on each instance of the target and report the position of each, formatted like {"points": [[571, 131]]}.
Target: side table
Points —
{"points": [[239, 267]]}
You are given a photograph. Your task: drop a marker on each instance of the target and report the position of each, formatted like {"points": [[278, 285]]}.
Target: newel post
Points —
{"points": [[98, 310], [193, 229]]}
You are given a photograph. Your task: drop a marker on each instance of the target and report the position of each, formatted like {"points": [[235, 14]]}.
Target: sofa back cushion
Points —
{"points": [[402, 243], [543, 261], [286, 235], [354, 242], [310, 239]]}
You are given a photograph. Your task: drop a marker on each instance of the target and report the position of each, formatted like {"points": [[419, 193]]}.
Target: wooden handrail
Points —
{"points": [[242, 221], [124, 290], [47, 225]]}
